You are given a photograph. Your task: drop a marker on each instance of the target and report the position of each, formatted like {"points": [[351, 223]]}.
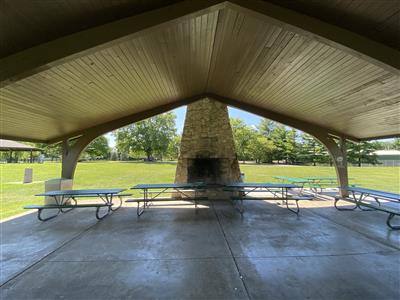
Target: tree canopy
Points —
{"points": [[363, 152], [151, 137], [97, 149]]}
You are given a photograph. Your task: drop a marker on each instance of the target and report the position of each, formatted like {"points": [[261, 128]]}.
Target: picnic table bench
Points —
{"points": [[358, 196], [152, 192], [63, 197], [278, 191]]}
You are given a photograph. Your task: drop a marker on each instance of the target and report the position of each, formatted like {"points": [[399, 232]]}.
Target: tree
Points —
{"points": [[285, 142], [98, 148], [266, 127], [261, 149], [278, 137], [151, 136], [53, 151], [396, 144], [243, 136], [174, 147], [381, 145], [312, 151], [114, 155], [291, 145], [363, 152]]}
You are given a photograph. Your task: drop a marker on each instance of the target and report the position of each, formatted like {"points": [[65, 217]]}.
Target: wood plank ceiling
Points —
{"points": [[224, 52]]}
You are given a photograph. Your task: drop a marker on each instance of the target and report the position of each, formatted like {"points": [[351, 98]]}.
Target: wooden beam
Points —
{"points": [[121, 122], [33, 60], [305, 126], [348, 41], [21, 138]]}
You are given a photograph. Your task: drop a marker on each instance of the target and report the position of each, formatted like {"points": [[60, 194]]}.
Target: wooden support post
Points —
{"points": [[71, 153], [338, 152]]}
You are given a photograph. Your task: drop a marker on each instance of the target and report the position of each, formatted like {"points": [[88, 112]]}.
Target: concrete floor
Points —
{"points": [[209, 253]]}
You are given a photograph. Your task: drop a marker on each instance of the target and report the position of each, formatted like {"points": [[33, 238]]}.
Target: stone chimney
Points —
{"points": [[207, 152]]}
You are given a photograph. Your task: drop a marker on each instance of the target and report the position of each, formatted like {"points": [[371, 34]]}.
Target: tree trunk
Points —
{"points": [[148, 154]]}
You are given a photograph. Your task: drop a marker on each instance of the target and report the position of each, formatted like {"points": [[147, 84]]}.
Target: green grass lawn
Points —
{"points": [[14, 194]]}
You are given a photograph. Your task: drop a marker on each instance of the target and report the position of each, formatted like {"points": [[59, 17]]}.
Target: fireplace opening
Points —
{"points": [[204, 169]]}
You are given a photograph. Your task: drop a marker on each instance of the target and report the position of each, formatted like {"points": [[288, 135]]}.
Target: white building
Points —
{"points": [[388, 158]]}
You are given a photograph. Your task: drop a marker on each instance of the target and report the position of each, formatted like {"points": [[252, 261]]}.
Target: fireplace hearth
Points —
{"points": [[203, 169]]}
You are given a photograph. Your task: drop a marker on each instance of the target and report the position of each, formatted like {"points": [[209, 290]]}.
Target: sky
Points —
{"points": [[248, 118]]}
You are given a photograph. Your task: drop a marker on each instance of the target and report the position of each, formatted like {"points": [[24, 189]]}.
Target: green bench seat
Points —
{"points": [[286, 200], [54, 206], [146, 202]]}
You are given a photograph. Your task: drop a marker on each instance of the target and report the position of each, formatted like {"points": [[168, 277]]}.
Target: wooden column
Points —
{"points": [[71, 151], [338, 152]]}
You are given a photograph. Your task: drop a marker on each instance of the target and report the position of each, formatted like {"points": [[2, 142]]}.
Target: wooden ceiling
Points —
{"points": [[218, 51]]}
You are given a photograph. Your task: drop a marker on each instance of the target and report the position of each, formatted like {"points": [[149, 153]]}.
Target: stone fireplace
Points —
{"points": [[207, 152]]}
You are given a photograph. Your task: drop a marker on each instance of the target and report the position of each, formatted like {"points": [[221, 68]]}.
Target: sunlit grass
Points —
{"points": [[14, 194]]}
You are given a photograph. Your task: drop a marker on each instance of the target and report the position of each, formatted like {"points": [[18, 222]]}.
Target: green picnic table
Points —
{"points": [[278, 190], [62, 197], [152, 193]]}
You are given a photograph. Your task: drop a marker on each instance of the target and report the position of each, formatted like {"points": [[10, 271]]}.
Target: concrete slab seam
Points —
{"points": [[230, 250]]}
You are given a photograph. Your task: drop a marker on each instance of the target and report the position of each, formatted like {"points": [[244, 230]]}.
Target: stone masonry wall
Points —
{"points": [[207, 134]]}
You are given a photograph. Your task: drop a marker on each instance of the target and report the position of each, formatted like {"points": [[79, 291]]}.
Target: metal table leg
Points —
{"points": [[292, 210], [107, 200], [139, 209], [117, 207], [62, 202], [389, 222], [39, 216], [359, 202], [345, 209]]}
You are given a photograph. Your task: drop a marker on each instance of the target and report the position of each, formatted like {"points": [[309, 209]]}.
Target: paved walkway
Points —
{"points": [[208, 253]]}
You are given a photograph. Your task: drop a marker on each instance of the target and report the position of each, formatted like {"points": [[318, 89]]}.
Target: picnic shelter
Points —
{"points": [[71, 71]]}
